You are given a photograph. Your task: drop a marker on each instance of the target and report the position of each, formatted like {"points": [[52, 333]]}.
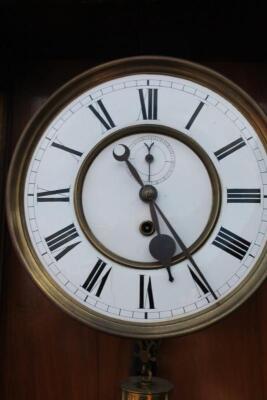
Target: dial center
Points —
{"points": [[148, 193]]}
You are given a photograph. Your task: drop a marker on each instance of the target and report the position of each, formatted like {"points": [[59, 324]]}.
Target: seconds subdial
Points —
{"points": [[155, 158]]}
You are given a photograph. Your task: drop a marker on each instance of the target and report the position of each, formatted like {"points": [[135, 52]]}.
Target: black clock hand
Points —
{"points": [[154, 217], [147, 192], [152, 194], [149, 158], [184, 249], [161, 247], [125, 157]]}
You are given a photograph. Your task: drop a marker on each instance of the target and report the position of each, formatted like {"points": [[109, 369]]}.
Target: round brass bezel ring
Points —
{"points": [[21, 159], [147, 129]]}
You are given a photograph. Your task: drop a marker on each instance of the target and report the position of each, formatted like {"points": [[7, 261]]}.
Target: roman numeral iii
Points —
{"points": [[145, 293], [102, 115], [243, 195], [97, 278], [58, 240], [61, 195], [149, 103], [230, 148], [231, 243]]}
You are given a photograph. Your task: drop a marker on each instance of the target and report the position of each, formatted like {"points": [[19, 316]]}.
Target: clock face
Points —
{"points": [[142, 198]]}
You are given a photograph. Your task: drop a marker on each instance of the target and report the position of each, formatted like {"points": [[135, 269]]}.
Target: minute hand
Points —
{"points": [[153, 204], [184, 249]]}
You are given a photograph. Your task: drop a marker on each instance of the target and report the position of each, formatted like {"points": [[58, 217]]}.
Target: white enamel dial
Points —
{"points": [[114, 211]]}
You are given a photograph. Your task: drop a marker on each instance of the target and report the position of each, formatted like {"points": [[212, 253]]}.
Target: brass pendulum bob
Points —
{"points": [[145, 386]]}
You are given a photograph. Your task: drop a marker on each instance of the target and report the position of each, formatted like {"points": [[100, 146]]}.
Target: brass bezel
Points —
{"points": [[21, 158], [145, 129]]}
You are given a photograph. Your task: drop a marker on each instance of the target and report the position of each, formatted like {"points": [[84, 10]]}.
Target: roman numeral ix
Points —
{"points": [[145, 294], [243, 195], [102, 115], [61, 195], [58, 240], [229, 149], [97, 278], [149, 105], [231, 243]]}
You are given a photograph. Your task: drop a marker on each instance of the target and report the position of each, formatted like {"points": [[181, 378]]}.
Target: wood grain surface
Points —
{"points": [[45, 354]]}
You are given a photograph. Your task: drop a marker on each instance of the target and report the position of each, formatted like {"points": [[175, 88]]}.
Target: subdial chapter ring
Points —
{"points": [[154, 157]]}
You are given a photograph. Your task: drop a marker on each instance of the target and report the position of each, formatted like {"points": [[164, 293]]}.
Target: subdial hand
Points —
{"points": [[149, 159]]}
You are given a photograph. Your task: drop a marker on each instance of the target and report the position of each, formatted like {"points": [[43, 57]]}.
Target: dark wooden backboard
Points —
{"points": [[44, 353], [3, 160]]}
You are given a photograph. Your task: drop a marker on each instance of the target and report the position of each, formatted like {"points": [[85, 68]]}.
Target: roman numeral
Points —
{"points": [[199, 282], [229, 149], [231, 243], [97, 278], [149, 106], [65, 148], [58, 240], [196, 112], [145, 294], [61, 195], [105, 118], [243, 195]]}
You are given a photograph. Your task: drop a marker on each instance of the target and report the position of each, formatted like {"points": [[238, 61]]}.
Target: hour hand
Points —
{"points": [[125, 157]]}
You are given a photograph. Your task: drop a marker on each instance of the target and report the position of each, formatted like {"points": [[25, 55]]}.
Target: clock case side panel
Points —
{"points": [[29, 138], [5, 121]]}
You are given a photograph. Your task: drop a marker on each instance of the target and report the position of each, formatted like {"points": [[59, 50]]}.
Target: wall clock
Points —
{"points": [[137, 197]]}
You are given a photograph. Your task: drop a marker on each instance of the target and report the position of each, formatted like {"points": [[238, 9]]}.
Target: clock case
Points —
{"points": [[26, 145]]}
